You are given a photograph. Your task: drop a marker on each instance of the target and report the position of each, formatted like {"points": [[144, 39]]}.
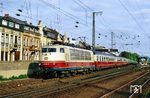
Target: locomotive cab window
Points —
{"points": [[44, 50], [62, 50], [51, 49]]}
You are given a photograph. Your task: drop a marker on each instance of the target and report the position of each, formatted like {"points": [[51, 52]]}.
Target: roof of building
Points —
{"points": [[12, 19], [7, 17], [46, 29]]}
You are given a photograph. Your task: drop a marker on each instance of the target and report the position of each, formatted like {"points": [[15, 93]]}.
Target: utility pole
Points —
{"points": [[93, 30], [112, 40]]}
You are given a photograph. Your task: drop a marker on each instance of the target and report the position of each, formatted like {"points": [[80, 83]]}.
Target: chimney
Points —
{"points": [[40, 22], [30, 23]]}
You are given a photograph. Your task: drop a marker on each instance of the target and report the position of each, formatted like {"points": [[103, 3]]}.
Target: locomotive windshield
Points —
{"points": [[44, 50], [48, 50]]}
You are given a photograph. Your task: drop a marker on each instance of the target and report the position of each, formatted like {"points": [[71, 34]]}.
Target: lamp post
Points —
{"points": [[93, 30]]}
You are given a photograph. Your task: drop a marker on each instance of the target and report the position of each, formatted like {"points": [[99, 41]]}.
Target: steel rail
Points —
{"points": [[60, 88], [142, 86], [111, 92]]}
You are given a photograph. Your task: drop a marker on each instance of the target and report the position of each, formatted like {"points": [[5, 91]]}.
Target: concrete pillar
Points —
{"points": [[4, 46], [13, 54], [21, 47], [9, 47]]}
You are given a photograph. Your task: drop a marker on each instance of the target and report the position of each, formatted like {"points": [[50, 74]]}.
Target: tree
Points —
{"points": [[129, 55]]}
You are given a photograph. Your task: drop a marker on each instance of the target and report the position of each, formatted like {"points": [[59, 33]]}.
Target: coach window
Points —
{"points": [[62, 50], [99, 58]]}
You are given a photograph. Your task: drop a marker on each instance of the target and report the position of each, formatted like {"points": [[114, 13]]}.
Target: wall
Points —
{"points": [[9, 69]]}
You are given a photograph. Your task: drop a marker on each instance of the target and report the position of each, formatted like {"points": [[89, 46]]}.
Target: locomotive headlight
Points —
{"points": [[39, 64]]}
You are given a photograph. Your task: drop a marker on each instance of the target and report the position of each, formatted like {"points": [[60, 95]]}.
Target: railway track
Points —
{"points": [[89, 83], [133, 95], [63, 85], [140, 81]]}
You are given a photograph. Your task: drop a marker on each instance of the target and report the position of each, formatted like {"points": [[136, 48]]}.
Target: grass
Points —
{"points": [[147, 95], [13, 77]]}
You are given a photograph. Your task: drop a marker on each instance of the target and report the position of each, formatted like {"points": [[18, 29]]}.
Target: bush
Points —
{"points": [[13, 77], [22, 76], [2, 78]]}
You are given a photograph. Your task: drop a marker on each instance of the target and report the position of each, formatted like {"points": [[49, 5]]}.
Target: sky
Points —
{"points": [[129, 20]]}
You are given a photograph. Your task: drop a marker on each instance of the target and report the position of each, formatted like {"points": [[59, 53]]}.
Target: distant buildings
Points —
{"points": [[20, 40]]}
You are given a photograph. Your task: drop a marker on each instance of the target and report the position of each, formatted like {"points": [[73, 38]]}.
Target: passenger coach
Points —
{"points": [[105, 60]]}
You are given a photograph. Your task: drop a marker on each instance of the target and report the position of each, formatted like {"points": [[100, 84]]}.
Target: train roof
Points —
{"points": [[71, 47], [108, 54], [104, 53]]}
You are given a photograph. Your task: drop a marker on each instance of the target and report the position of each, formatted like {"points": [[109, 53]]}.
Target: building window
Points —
{"points": [[4, 22], [16, 39], [19, 40], [32, 29], [2, 45], [11, 39], [7, 45], [26, 28], [3, 38], [36, 30], [24, 41], [11, 24], [7, 38], [17, 26], [38, 44], [31, 41]]}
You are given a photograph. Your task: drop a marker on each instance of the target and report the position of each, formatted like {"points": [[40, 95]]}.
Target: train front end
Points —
{"points": [[52, 58]]}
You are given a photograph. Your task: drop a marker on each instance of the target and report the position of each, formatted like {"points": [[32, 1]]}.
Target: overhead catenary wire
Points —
{"points": [[86, 12], [123, 5], [64, 12], [103, 17], [139, 26], [92, 10], [137, 23], [85, 5]]}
